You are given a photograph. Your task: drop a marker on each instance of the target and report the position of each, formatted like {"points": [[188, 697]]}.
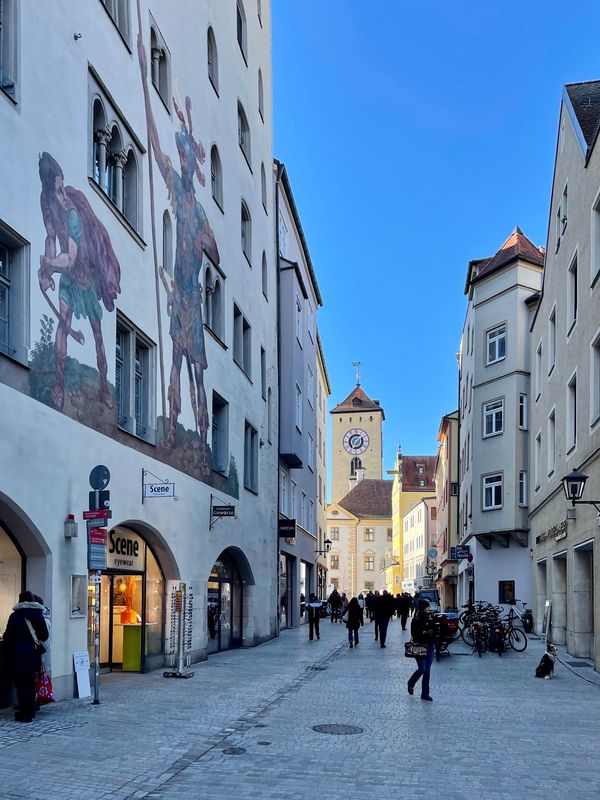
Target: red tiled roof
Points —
{"points": [[357, 401], [517, 246], [411, 475], [369, 498]]}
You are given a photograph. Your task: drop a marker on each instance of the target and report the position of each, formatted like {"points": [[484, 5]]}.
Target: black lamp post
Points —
{"points": [[327, 546], [574, 486]]}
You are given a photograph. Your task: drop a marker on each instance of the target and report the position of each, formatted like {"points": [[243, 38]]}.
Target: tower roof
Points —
{"points": [[516, 247], [357, 401]]}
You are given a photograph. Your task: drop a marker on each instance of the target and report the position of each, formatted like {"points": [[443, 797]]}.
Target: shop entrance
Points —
{"points": [[131, 605], [224, 605]]}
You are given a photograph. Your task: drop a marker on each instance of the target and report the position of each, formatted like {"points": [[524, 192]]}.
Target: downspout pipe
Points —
{"points": [[278, 173]]}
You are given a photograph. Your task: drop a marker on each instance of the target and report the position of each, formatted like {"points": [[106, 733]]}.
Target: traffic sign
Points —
{"points": [[432, 553], [470, 571], [102, 513], [99, 500], [99, 477], [470, 557], [459, 552]]}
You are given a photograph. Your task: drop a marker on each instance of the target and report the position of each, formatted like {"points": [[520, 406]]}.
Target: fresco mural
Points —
{"points": [[78, 249]]}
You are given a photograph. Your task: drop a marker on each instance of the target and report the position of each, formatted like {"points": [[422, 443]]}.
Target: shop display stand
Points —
{"points": [[180, 634]]}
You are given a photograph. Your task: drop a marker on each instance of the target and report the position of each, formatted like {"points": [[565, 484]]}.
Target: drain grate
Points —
{"points": [[578, 664], [234, 751], [337, 729]]}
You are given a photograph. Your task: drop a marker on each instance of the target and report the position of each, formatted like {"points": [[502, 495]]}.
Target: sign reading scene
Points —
{"points": [[125, 550]]}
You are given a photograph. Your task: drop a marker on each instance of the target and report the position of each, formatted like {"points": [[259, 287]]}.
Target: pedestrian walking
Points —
{"points": [[375, 602], [361, 603], [23, 648], [422, 632], [369, 605], [352, 617], [335, 603], [314, 616], [404, 604], [383, 613], [345, 602]]}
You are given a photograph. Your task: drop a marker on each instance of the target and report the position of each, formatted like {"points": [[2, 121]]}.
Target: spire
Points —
{"points": [[357, 364]]}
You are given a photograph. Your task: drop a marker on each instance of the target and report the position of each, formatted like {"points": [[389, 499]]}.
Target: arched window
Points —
{"points": [[159, 65], [265, 276], [261, 96], [216, 176], [213, 59], [355, 465], [101, 140], [243, 133], [217, 309], [246, 232], [130, 189], [263, 186], [208, 298], [241, 30], [114, 168], [167, 251], [269, 415]]}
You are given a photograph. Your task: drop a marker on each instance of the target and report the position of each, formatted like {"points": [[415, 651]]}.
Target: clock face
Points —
{"points": [[356, 441]]}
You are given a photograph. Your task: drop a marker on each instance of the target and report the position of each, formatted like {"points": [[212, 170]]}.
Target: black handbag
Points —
{"points": [[415, 650]]}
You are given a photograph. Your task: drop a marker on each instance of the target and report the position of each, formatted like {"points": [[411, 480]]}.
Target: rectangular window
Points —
{"points": [[572, 413], [369, 563], [537, 461], [492, 492], [335, 584], [595, 380], [538, 372], [506, 592], [564, 209], [5, 294], [119, 11], [250, 457], [303, 510], [298, 407], [310, 386], [8, 47], [263, 373], [220, 434], [558, 228], [320, 440], [134, 356], [493, 418], [14, 297], [369, 535], [390, 534], [242, 341], [311, 516], [311, 452], [283, 235], [335, 562], [523, 412], [595, 240], [294, 500], [552, 340], [496, 344], [572, 295], [320, 490], [551, 442], [369, 586], [522, 488], [335, 534], [299, 321]]}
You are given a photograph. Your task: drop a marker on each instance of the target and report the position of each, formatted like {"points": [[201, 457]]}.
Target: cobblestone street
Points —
{"points": [[242, 728]]}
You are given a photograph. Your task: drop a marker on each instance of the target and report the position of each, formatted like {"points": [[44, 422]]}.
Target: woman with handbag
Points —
{"points": [[422, 633], [23, 637], [352, 618]]}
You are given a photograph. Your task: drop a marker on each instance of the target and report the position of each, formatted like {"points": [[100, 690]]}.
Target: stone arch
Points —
{"points": [[31, 543], [157, 543]]}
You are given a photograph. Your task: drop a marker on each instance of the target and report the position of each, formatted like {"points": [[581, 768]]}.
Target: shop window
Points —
{"points": [[506, 592], [155, 592], [11, 578], [220, 433]]}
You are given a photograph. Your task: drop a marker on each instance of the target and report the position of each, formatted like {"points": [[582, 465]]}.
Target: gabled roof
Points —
{"points": [[411, 474], [516, 247], [357, 401], [369, 498], [585, 102]]}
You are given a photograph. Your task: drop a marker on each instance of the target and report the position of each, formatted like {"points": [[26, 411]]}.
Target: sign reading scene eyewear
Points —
{"points": [[159, 490], [125, 550]]}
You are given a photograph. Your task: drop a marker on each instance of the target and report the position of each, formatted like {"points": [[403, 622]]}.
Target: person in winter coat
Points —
{"points": [[353, 616], [403, 607], [422, 632], [23, 655], [335, 603], [369, 605], [314, 616], [384, 611], [361, 603]]}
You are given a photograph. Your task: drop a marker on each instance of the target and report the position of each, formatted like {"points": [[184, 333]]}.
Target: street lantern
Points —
{"points": [[327, 547], [574, 485]]}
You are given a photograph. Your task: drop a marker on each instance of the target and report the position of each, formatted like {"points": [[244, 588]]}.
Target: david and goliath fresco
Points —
{"points": [[80, 276]]}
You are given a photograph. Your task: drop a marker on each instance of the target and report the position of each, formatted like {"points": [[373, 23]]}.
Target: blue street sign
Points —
{"points": [[462, 551]]}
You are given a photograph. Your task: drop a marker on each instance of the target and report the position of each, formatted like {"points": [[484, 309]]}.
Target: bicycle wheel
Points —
{"points": [[517, 639], [466, 635]]}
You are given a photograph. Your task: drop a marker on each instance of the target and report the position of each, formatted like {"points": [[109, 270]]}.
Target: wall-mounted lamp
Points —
{"points": [[327, 545], [574, 486], [70, 527]]}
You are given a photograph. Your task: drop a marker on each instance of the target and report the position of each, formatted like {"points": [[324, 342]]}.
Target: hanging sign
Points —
{"points": [[286, 528], [223, 511], [159, 490]]}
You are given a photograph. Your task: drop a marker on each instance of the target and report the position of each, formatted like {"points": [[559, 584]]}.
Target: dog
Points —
{"points": [[545, 669]]}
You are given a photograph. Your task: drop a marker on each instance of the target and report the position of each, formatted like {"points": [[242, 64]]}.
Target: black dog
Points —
{"points": [[545, 669]]}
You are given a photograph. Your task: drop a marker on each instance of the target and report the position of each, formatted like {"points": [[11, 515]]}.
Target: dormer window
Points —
{"points": [[356, 401]]}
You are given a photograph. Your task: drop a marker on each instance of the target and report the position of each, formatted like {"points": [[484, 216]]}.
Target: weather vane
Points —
{"points": [[357, 364]]}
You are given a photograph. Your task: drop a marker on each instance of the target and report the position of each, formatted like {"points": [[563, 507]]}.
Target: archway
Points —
{"points": [[228, 587]]}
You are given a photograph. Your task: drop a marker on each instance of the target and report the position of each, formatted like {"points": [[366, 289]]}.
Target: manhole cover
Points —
{"points": [[338, 730], [234, 751], [579, 664]]}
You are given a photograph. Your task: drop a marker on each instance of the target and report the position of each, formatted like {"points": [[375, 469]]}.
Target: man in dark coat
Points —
{"points": [[314, 616], [384, 610], [404, 605], [369, 605], [23, 655], [335, 603]]}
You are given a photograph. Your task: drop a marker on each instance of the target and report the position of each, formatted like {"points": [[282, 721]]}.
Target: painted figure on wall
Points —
{"points": [[89, 271], [194, 237]]}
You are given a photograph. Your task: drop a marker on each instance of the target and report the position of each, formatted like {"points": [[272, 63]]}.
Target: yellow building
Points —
{"points": [[414, 480]]}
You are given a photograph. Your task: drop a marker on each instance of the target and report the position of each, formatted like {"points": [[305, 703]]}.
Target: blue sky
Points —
{"points": [[416, 135]]}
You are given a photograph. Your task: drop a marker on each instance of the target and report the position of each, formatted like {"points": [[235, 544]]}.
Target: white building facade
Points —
{"points": [[323, 393], [495, 398], [138, 320], [420, 535]]}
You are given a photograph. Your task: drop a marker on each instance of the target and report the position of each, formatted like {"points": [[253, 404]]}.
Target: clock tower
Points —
{"points": [[356, 442]]}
